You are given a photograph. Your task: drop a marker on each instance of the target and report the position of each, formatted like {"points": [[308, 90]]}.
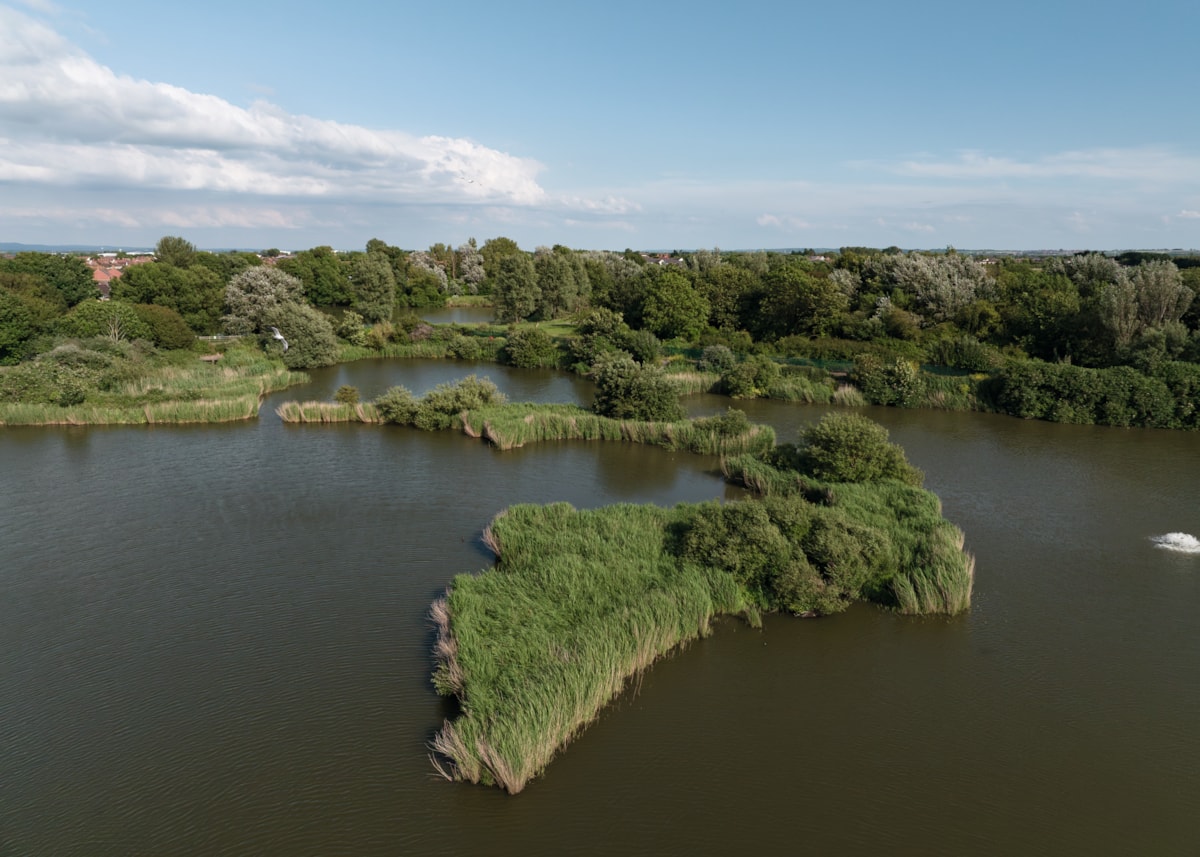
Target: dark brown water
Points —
{"points": [[213, 641]]}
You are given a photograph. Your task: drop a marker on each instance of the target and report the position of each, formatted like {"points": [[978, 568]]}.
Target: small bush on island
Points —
{"points": [[580, 601], [627, 390], [531, 348]]}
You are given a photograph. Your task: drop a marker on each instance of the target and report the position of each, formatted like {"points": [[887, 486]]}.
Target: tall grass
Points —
{"points": [[514, 425], [328, 412], [171, 388], [580, 601], [695, 383]]}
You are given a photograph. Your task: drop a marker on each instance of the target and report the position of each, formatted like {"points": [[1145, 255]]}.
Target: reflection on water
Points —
{"points": [[213, 640]]}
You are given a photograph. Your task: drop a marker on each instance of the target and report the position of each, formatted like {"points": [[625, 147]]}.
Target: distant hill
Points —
{"points": [[10, 247]]}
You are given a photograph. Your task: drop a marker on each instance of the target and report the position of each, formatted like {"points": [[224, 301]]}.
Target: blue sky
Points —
{"points": [[1056, 124]]}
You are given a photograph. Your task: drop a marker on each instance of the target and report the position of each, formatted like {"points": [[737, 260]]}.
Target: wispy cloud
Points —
{"points": [[67, 120], [1147, 163]]}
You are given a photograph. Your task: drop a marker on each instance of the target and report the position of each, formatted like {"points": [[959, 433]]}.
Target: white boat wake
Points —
{"points": [[1178, 542]]}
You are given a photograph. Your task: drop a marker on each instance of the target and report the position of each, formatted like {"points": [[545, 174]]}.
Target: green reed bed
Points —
{"points": [[695, 383], [514, 425], [579, 602], [327, 412], [76, 385]]}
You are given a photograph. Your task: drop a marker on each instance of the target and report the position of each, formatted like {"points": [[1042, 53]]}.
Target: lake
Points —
{"points": [[214, 640]]}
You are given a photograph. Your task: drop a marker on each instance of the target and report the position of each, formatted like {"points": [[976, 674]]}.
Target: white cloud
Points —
{"points": [[913, 226], [66, 120], [1189, 214]]}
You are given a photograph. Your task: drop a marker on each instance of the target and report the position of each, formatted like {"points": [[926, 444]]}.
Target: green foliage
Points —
{"points": [[68, 277], [1118, 396], [965, 352], [346, 395], [397, 405], [112, 319], [309, 333], [256, 295], [16, 327], [716, 358], [173, 250], [515, 289], [582, 600], [372, 286], [167, 327], [531, 348], [324, 277], [751, 378], [627, 390], [851, 448], [196, 293], [673, 308], [351, 328], [462, 347], [895, 382]]}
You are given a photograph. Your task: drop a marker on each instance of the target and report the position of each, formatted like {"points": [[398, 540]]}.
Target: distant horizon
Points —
{"points": [[86, 247]]}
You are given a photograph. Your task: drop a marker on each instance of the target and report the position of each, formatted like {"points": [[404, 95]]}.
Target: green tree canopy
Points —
{"points": [[173, 250], [195, 293], [673, 308], [68, 275], [515, 289]]}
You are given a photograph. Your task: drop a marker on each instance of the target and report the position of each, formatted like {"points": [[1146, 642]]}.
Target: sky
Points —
{"points": [[658, 124]]}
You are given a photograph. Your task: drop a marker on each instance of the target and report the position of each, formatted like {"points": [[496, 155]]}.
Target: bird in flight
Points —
{"points": [[275, 334]]}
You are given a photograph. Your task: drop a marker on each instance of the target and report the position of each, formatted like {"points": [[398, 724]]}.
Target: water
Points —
{"points": [[213, 640]]}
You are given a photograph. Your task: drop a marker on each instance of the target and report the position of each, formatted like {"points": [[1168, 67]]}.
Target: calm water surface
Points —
{"points": [[214, 641]]}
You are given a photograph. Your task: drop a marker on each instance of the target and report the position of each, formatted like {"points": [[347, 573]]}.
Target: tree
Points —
{"points": [[673, 308], [253, 296], [16, 327], [173, 250], [114, 320], [470, 266], [494, 251], [372, 286], [557, 285], [515, 289], [796, 302], [167, 327], [309, 333], [69, 276], [1162, 298], [195, 293], [325, 278]]}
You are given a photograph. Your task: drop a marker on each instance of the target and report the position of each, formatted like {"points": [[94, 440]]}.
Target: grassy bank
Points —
{"points": [[103, 384]]}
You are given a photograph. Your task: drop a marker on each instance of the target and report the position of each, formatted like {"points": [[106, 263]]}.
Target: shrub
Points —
{"points": [[965, 352], [895, 382], [167, 327], [463, 347], [716, 358], [851, 448], [351, 328], [438, 408], [751, 378], [625, 390], [346, 395], [397, 405], [531, 348]]}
